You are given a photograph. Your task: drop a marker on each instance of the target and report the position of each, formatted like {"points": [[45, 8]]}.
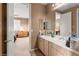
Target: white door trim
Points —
{"points": [[10, 29]]}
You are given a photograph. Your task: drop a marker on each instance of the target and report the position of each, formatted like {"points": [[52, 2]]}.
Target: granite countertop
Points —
{"points": [[57, 40]]}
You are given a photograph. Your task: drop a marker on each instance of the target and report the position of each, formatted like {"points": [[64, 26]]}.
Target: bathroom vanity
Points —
{"points": [[65, 25], [55, 46]]}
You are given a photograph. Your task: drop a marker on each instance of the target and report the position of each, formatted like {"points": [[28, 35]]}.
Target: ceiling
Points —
{"points": [[66, 6]]}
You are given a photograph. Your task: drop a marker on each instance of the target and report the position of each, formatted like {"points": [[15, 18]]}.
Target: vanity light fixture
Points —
{"points": [[53, 5], [58, 5]]}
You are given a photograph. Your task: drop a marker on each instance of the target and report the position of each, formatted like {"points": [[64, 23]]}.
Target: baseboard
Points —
{"points": [[34, 49]]}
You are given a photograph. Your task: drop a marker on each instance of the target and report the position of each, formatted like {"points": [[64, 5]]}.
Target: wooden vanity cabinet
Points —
{"points": [[55, 50], [41, 44], [71, 53], [52, 49], [59, 51], [46, 47]]}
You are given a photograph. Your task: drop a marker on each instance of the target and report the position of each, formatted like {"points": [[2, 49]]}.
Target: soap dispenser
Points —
{"points": [[68, 42]]}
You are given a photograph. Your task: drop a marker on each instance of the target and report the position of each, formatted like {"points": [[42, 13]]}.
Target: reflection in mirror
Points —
{"points": [[57, 24], [46, 27]]}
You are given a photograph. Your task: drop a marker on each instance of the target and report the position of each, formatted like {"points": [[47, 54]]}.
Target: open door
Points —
{"points": [[10, 29]]}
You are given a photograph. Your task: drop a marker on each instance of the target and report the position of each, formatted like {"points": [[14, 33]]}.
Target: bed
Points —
{"points": [[21, 34]]}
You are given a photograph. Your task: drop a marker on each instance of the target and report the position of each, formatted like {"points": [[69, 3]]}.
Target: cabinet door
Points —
{"points": [[51, 49], [59, 51], [46, 47], [41, 44], [70, 53]]}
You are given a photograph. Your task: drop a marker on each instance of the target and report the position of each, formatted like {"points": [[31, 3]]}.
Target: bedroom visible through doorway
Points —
{"points": [[21, 30]]}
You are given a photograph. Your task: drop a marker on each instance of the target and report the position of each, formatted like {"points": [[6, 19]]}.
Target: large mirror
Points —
{"points": [[45, 26], [63, 24], [57, 23]]}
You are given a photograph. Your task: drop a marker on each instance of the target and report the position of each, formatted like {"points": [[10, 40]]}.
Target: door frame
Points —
{"points": [[10, 33]]}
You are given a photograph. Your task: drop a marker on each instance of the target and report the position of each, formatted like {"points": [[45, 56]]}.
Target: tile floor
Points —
{"points": [[22, 48], [36, 53]]}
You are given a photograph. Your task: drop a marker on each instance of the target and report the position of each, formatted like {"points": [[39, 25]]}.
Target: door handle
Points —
{"points": [[6, 41]]}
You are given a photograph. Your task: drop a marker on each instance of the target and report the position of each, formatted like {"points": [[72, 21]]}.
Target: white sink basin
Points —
{"points": [[75, 39]]}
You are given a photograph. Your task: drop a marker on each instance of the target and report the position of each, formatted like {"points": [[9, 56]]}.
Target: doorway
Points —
{"points": [[21, 29], [18, 29]]}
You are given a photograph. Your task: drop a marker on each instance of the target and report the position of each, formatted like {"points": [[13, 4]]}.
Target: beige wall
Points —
{"points": [[23, 23], [38, 13], [0, 29]]}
